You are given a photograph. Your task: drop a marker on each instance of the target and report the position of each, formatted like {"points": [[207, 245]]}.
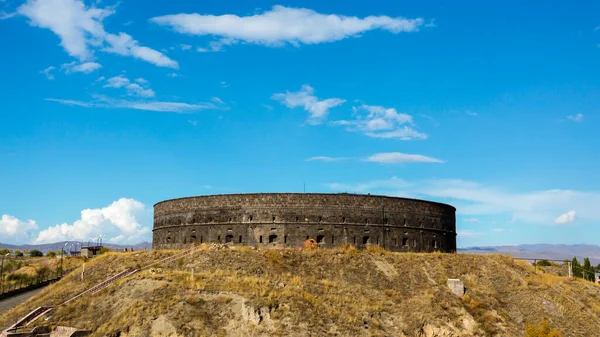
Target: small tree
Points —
{"points": [[36, 253], [543, 263], [4, 251], [18, 252], [577, 271], [51, 254], [588, 272]]}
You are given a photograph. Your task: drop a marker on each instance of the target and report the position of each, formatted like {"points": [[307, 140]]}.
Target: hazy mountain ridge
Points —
{"points": [[541, 251], [45, 247]]}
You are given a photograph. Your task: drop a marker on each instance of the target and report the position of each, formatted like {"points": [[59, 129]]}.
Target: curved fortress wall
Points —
{"points": [[289, 219]]}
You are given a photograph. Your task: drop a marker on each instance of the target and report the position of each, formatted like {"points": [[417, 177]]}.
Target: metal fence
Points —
{"points": [[9, 288]]}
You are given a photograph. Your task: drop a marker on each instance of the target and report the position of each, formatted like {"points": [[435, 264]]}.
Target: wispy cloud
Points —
{"points": [[159, 106], [475, 200], [380, 122], [48, 72], [471, 113], [576, 118], [471, 220], [81, 31], [225, 84], [86, 67], [318, 109], [4, 15], [400, 158], [283, 25], [468, 233], [326, 159]]}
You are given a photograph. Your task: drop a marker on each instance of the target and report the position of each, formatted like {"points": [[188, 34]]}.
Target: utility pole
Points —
{"points": [[62, 253], [570, 268], [2, 274]]}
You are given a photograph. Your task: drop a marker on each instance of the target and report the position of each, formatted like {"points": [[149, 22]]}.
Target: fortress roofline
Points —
{"points": [[368, 195]]}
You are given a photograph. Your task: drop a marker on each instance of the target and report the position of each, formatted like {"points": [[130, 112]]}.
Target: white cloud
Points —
{"points": [[471, 113], [119, 221], [125, 45], [133, 89], [283, 25], [137, 90], [475, 200], [141, 80], [193, 123], [172, 75], [185, 46], [499, 230], [305, 98], [225, 84], [381, 122], [325, 159], [400, 158], [81, 31], [48, 72], [472, 220], [14, 230], [86, 67], [565, 218], [202, 50], [116, 82], [158, 106], [576, 118], [268, 107]]}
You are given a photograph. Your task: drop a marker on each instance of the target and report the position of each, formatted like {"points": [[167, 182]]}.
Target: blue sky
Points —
{"points": [[110, 107]]}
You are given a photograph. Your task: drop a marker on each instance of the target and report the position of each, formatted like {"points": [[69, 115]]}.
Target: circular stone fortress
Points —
{"points": [[289, 219]]}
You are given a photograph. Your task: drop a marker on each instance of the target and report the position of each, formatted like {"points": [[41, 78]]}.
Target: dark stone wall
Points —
{"points": [[288, 219]]}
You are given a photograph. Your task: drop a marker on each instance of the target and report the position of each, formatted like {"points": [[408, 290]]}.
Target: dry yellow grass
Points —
{"points": [[344, 292]]}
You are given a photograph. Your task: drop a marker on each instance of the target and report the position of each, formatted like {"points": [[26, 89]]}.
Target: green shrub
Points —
{"points": [[36, 253]]}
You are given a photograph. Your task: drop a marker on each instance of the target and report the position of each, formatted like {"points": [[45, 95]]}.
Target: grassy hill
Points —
{"points": [[340, 292]]}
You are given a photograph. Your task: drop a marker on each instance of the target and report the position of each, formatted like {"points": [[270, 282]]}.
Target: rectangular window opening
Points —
{"points": [[240, 239], [260, 239]]}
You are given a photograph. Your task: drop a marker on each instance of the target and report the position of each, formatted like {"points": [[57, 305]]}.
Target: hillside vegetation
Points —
{"points": [[341, 292]]}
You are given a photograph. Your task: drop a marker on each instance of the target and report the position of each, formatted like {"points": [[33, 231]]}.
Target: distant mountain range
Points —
{"points": [[57, 246], [538, 251], [541, 251]]}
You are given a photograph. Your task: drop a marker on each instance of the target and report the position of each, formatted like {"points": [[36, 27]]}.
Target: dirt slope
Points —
{"points": [[342, 292]]}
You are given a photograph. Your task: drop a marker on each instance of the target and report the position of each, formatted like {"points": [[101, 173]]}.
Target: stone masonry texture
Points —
{"points": [[289, 219]]}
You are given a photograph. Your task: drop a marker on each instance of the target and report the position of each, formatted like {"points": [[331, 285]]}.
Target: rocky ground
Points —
{"points": [[241, 291]]}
